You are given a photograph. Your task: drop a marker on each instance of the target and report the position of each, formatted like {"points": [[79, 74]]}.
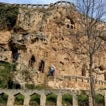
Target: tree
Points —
{"points": [[90, 33]]}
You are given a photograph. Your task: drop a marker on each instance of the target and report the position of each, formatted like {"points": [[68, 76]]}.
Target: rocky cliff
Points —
{"points": [[44, 35]]}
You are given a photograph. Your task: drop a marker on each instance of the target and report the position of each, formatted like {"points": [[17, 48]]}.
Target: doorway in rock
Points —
{"points": [[42, 66], [14, 51], [83, 71], [15, 54], [32, 61]]}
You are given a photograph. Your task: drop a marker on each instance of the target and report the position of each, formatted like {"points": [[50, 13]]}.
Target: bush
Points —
{"points": [[32, 86], [99, 99], [35, 100], [8, 16], [67, 99], [83, 100], [19, 99], [51, 99], [5, 74], [3, 98]]}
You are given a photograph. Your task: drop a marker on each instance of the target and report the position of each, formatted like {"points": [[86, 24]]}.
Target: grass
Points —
{"points": [[5, 69], [32, 86]]}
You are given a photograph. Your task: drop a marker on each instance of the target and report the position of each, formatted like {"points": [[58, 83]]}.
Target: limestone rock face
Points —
{"points": [[5, 37], [43, 37]]}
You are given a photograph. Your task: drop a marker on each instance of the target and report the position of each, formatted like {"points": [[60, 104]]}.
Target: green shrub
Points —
{"points": [[8, 16], [35, 100], [3, 98], [83, 100], [32, 86], [67, 99], [5, 74], [51, 99], [99, 99], [19, 99]]}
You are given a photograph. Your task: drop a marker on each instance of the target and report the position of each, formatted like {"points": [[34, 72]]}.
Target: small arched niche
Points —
{"points": [[35, 100], [14, 50], [19, 99], [67, 100], [13, 85], [51, 99], [83, 70], [32, 61], [42, 66], [3, 99]]}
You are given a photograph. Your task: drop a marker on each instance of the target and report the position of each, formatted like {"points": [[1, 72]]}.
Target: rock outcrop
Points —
{"points": [[42, 37]]}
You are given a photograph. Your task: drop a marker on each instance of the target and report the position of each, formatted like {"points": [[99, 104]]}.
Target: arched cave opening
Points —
{"points": [[32, 61], [42, 66], [68, 26], [83, 71], [12, 85], [14, 50], [35, 40], [72, 23]]}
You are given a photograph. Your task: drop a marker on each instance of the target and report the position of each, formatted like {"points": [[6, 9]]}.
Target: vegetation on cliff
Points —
{"points": [[5, 73], [8, 16]]}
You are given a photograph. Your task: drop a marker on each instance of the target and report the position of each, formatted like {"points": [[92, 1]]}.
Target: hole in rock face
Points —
{"points": [[15, 54], [42, 66], [35, 40], [68, 26], [13, 85], [32, 61], [14, 50], [84, 67]]}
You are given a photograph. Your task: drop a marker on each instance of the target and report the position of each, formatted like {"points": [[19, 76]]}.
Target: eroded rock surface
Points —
{"points": [[48, 35]]}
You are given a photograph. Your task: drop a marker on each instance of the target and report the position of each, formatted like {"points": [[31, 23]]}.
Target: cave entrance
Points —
{"points": [[32, 61], [105, 76], [41, 66], [14, 50], [12, 85], [15, 54], [84, 67]]}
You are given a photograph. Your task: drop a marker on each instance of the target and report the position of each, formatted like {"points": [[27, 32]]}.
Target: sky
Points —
{"points": [[32, 1]]}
